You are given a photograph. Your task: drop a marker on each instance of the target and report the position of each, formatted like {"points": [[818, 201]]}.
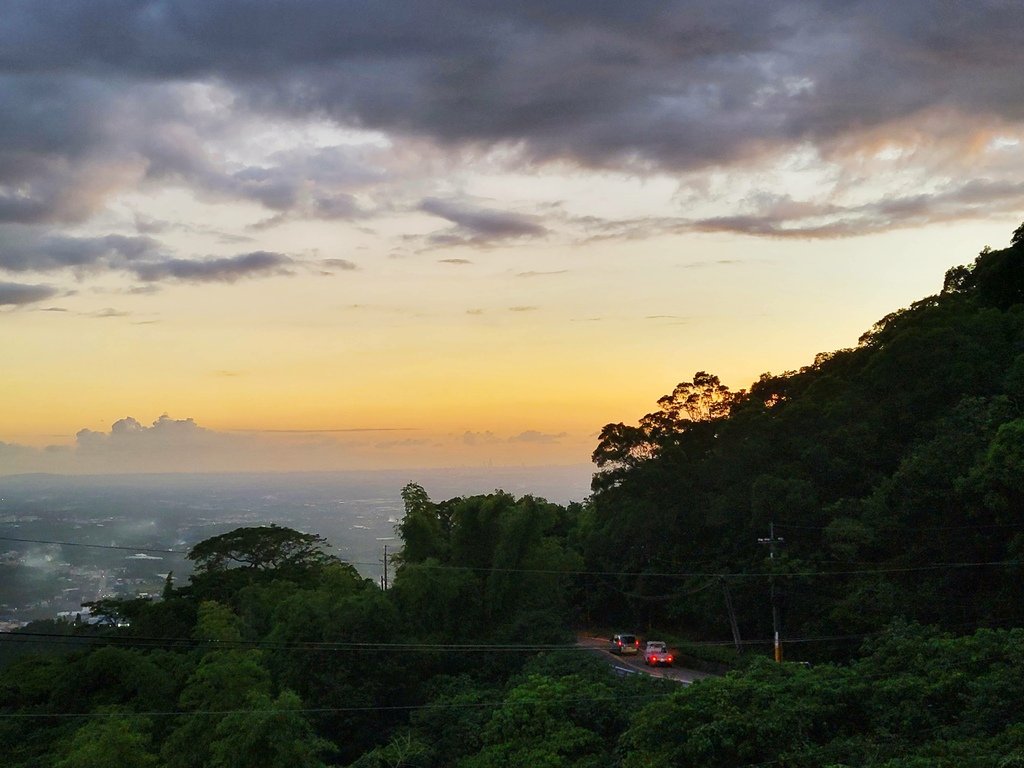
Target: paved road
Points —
{"points": [[629, 664]]}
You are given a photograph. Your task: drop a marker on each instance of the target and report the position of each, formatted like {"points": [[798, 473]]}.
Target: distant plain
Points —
{"points": [[111, 528]]}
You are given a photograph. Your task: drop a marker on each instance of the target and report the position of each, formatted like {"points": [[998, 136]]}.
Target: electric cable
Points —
{"points": [[316, 645], [365, 708], [571, 572]]}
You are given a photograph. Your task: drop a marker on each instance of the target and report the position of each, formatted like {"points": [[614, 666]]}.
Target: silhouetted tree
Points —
{"points": [[260, 548]]}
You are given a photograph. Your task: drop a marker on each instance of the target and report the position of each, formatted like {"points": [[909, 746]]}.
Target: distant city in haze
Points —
{"points": [[113, 526]]}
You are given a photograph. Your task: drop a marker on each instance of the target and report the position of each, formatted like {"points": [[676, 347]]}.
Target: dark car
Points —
{"points": [[625, 643]]}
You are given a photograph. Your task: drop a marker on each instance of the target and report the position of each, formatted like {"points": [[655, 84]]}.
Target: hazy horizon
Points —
{"points": [[562, 483]]}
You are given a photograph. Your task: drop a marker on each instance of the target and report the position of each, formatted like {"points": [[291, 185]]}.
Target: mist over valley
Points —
{"points": [[65, 540]]}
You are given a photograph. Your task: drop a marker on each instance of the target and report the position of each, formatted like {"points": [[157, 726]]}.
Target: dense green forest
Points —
{"points": [[876, 494], [893, 471]]}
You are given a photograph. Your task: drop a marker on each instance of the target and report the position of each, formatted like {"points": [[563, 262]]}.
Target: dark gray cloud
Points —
{"points": [[343, 264], [585, 81], [70, 140], [313, 183], [25, 249], [669, 81], [55, 143], [781, 216], [478, 226], [226, 269], [95, 96], [17, 294], [976, 197]]}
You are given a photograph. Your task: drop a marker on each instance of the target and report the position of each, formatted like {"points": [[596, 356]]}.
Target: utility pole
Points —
{"points": [[732, 616], [385, 562], [771, 541]]}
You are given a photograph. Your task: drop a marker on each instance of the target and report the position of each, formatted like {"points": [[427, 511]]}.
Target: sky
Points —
{"points": [[351, 234]]}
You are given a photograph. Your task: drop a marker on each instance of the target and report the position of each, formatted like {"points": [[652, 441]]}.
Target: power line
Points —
{"points": [[314, 645], [302, 645], [323, 710], [326, 646], [571, 572], [737, 575], [430, 706], [980, 526], [122, 548], [93, 546]]}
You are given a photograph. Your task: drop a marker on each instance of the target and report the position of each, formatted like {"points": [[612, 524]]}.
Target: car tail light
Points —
{"points": [[670, 659]]}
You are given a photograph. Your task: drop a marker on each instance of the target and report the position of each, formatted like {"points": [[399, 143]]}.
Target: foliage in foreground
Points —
{"points": [[915, 698]]}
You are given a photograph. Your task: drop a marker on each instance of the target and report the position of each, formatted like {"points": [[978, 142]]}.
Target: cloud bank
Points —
{"points": [[680, 84], [182, 445], [881, 114], [16, 294]]}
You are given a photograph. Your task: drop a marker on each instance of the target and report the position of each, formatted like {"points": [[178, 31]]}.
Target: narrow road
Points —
{"points": [[635, 664]]}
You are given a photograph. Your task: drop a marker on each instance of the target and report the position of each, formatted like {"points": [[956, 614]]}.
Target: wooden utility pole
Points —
{"points": [[771, 541], [384, 574], [732, 616]]}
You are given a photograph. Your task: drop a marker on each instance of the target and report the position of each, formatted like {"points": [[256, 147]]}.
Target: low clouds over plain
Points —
{"points": [[169, 444]]}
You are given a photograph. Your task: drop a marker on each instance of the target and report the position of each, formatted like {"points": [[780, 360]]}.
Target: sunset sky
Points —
{"points": [[322, 234]]}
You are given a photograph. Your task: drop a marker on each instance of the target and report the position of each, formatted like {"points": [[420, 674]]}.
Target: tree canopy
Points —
{"points": [[260, 548]]}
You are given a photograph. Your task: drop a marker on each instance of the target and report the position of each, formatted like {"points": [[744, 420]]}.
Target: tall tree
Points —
{"points": [[261, 548], [423, 530]]}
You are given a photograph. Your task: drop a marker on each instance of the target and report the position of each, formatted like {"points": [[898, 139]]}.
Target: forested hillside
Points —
{"points": [[893, 472], [891, 477]]}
